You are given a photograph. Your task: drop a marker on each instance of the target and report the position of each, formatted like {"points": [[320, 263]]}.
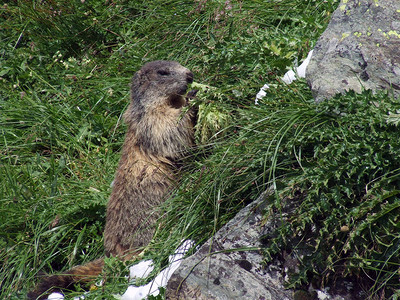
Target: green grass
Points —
{"points": [[65, 68]]}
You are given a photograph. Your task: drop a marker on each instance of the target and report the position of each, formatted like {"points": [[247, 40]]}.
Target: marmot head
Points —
{"points": [[160, 83]]}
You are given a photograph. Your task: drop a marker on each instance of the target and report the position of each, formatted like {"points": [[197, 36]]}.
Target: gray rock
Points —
{"points": [[219, 270], [226, 268], [359, 50]]}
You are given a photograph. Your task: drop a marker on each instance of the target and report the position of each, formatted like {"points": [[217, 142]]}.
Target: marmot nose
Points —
{"points": [[189, 77]]}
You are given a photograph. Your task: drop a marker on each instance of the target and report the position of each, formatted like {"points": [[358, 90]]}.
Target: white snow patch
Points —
{"points": [[141, 270], [323, 295], [261, 94], [289, 77], [301, 70], [55, 296], [152, 288]]}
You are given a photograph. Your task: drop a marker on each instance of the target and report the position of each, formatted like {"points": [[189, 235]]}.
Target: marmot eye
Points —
{"points": [[163, 72]]}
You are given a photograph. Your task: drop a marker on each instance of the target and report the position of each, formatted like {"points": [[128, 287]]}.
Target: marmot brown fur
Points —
{"points": [[157, 139]]}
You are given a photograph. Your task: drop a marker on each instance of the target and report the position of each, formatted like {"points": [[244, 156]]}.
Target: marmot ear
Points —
{"points": [[136, 80], [137, 86]]}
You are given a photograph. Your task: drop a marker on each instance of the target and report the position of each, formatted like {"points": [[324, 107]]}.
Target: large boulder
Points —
{"points": [[226, 268], [230, 264], [359, 50]]}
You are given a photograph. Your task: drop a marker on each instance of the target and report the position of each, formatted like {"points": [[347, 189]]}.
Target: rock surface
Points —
{"points": [[226, 268], [359, 50], [219, 270]]}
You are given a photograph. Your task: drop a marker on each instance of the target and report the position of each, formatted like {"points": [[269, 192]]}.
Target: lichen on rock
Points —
{"points": [[359, 50]]}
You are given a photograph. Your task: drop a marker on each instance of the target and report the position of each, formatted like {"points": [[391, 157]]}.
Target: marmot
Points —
{"points": [[157, 138]]}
